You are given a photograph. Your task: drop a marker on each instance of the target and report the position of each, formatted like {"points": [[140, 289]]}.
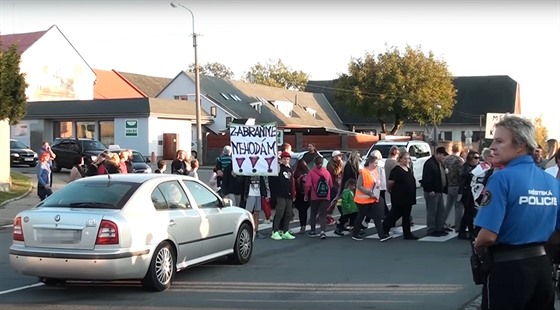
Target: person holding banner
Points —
{"points": [[284, 189], [253, 193]]}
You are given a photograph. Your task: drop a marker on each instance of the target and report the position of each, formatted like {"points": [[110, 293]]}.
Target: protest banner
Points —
{"points": [[254, 149]]}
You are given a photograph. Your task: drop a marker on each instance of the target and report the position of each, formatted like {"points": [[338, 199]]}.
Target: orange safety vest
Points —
{"points": [[368, 182]]}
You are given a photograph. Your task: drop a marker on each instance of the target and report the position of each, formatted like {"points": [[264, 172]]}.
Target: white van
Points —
{"points": [[420, 152]]}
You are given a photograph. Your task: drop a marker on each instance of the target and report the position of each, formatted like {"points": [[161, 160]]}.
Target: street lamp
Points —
{"points": [[197, 88]]}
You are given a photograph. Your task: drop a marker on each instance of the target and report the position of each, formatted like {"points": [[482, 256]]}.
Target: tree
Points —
{"points": [[541, 132], [276, 74], [214, 69], [13, 102], [394, 87]]}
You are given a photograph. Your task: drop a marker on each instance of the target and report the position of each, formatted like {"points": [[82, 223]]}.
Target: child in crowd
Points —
{"points": [[194, 169], [349, 208], [161, 166]]}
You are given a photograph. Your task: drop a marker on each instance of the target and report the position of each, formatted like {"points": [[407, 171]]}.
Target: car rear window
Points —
{"points": [[383, 148], [103, 194]]}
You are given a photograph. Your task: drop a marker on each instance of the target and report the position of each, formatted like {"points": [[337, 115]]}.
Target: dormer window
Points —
{"points": [[226, 97], [257, 106], [311, 111], [285, 107]]}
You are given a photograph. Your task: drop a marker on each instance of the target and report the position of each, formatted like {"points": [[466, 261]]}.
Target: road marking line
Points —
{"points": [[22, 288]]}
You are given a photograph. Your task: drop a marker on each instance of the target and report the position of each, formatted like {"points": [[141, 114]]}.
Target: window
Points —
{"points": [[181, 97], [174, 195], [419, 150], [203, 197], [446, 135], [158, 200], [85, 130], [63, 129], [226, 97], [107, 132]]}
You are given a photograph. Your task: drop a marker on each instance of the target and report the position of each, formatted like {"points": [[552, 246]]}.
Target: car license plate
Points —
{"points": [[59, 236], [28, 159]]}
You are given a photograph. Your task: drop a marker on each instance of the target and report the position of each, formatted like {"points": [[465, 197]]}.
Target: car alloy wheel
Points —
{"points": [[243, 247], [161, 270]]}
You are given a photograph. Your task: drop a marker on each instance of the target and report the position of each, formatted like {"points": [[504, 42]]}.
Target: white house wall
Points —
{"points": [[159, 126], [454, 129], [55, 71], [183, 85]]}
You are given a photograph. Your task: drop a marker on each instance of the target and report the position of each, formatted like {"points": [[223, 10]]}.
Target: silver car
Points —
{"points": [[129, 227]]}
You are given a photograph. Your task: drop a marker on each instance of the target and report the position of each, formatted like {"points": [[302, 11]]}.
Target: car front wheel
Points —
{"points": [[243, 247], [162, 269]]}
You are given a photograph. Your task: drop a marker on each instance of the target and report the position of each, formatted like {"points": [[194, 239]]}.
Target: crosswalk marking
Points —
{"points": [[398, 232], [395, 232]]}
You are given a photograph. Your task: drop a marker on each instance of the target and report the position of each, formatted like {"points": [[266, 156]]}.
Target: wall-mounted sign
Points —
{"points": [[131, 128]]}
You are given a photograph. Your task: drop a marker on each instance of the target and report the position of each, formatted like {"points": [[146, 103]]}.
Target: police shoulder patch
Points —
{"points": [[486, 198]]}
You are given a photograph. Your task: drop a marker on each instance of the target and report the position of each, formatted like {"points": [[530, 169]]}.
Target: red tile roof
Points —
{"points": [[111, 85], [22, 40]]}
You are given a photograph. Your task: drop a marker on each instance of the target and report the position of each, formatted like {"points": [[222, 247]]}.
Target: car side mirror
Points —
{"points": [[228, 202], [148, 160]]}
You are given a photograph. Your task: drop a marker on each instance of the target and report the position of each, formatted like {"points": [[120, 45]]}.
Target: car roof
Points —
{"points": [[135, 177]]}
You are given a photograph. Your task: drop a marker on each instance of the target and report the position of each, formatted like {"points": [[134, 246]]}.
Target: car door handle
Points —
{"points": [[171, 223]]}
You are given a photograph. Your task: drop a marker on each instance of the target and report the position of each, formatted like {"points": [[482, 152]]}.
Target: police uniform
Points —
{"points": [[520, 205]]}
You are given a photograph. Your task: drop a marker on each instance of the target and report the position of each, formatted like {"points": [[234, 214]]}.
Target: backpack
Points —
{"points": [[322, 189]]}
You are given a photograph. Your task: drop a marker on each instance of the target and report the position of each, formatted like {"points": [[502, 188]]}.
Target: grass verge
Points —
{"points": [[20, 185]]}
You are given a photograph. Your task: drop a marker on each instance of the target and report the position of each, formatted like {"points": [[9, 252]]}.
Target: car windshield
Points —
{"points": [[137, 157], [93, 145], [383, 148], [99, 193], [17, 145]]}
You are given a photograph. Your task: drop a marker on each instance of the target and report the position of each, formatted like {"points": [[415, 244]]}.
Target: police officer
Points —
{"points": [[517, 216]]}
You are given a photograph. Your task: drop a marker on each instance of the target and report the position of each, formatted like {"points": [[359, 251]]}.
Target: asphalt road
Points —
{"points": [[336, 273]]}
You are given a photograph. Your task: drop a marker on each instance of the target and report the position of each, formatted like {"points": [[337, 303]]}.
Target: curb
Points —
{"points": [[4, 222]]}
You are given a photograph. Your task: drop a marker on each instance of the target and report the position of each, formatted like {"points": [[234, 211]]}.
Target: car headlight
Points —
{"points": [[35, 155], [148, 170], [14, 155]]}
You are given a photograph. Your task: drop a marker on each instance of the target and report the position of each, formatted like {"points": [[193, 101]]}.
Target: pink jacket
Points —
{"points": [[313, 180]]}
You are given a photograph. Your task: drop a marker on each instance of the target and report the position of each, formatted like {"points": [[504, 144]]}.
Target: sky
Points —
{"points": [[520, 39]]}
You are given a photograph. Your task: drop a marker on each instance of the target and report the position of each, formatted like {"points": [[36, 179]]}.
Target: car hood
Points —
{"points": [[25, 151]]}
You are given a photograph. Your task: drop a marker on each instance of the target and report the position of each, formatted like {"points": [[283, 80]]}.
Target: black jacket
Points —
{"points": [[283, 185], [431, 177]]}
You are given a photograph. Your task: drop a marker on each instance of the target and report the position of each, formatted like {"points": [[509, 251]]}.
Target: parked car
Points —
{"points": [[420, 152], [129, 227], [21, 154], [139, 162], [67, 150]]}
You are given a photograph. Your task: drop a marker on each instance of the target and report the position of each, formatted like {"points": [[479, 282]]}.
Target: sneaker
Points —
{"points": [[301, 230], [385, 238], [276, 236], [312, 234], [349, 228], [291, 232], [323, 235], [338, 232], [357, 238], [288, 236], [266, 221], [410, 237]]}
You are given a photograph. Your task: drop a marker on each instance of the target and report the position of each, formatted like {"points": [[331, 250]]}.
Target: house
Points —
{"points": [[476, 96], [54, 69], [67, 98], [295, 112], [149, 125]]}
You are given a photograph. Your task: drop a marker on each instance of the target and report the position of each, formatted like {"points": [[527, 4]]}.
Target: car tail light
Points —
{"points": [[18, 230], [108, 233]]}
